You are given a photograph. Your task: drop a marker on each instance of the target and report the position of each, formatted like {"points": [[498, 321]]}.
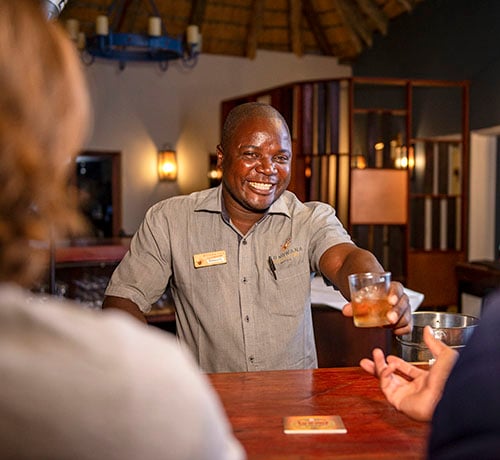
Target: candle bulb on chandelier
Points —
{"points": [[192, 34], [72, 27], [154, 27], [102, 25], [81, 41]]}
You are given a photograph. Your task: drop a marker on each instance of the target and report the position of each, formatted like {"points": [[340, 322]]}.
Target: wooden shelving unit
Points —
{"points": [[82, 270]]}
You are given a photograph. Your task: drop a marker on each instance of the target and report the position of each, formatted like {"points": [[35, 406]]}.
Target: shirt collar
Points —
{"points": [[213, 203]]}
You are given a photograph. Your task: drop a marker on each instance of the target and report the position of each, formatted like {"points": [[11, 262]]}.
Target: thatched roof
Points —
{"points": [[339, 28]]}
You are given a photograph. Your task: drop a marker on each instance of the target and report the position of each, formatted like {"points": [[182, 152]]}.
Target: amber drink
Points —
{"points": [[369, 298]]}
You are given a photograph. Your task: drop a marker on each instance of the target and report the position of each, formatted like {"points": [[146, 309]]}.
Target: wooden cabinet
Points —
{"points": [[80, 270], [392, 157], [341, 344]]}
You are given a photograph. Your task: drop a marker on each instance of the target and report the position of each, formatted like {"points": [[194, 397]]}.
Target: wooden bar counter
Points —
{"points": [[256, 403]]}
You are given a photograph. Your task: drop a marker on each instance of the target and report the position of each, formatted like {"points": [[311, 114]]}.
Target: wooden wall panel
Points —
{"points": [[379, 196], [433, 274]]}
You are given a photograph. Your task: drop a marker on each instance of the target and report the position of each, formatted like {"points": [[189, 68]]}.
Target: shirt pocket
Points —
{"points": [[290, 291]]}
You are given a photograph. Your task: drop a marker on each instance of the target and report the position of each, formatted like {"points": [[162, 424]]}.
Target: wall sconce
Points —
{"points": [[167, 164], [214, 172]]}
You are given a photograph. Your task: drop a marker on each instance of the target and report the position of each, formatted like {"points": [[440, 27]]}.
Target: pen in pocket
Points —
{"points": [[272, 267]]}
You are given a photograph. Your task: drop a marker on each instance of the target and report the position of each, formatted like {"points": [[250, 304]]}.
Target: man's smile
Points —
{"points": [[263, 186]]}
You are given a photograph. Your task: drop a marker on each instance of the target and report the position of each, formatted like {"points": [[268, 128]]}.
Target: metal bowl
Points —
{"points": [[453, 329]]}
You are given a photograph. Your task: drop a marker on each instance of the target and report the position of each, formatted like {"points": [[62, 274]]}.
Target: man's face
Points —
{"points": [[256, 165]]}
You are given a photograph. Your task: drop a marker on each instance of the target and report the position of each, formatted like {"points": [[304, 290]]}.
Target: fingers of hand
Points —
{"points": [[444, 364], [347, 310], [434, 345], [368, 366], [400, 315], [379, 361], [405, 368], [396, 291], [406, 329]]}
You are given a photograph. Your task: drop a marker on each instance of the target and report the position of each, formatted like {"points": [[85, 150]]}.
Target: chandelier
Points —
{"points": [[154, 46]]}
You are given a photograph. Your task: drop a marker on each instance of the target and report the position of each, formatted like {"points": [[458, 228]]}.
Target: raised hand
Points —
{"points": [[409, 389]]}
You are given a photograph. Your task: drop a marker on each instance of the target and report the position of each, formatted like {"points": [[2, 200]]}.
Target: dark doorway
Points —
{"points": [[98, 181]]}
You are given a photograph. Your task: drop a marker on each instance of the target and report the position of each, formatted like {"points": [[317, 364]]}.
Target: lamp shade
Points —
{"points": [[167, 165]]}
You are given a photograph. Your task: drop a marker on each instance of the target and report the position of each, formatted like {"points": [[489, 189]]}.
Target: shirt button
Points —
{"points": [[244, 280], [251, 359], [247, 318], [244, 242]]}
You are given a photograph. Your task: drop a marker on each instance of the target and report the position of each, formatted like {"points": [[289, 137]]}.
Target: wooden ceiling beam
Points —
{"points": [[197, 15], [295, 18], [379, 18], [353, 36], [355, 20], [406, 4], [316, 28], [254, 27], [120, 12]]}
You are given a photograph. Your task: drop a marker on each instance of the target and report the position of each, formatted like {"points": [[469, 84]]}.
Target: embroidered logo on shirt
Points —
{"points": [[285, 245], [207, 259], [288, 255]]}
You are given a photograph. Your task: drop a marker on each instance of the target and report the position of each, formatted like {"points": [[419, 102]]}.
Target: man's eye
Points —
{"points": [[282, 159], [251, 154]]}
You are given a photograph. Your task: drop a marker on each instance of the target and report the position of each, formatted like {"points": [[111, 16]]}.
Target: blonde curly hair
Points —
{"points": [[44, 114]]}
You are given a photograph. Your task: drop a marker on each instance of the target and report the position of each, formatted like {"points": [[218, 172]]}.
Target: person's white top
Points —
{"points": [[78, 384]]}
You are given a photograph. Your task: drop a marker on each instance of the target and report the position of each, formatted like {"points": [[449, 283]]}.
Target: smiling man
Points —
{"points": [[257, 164], [239, 258]]}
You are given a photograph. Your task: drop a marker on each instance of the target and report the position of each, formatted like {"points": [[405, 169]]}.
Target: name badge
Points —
{"points": [[207, 259]]}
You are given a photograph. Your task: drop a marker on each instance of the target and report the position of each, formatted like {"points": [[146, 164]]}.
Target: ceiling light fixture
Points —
{"points": [[154, 46]]}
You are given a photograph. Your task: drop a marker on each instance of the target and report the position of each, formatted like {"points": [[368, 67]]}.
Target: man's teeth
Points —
{"points": [[261, 185]]}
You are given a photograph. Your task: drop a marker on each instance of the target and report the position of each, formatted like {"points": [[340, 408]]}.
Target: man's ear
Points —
{"points": [[220, 156]]}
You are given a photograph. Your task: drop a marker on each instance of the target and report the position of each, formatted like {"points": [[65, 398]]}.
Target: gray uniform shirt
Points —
{"points": [[235, 309]]}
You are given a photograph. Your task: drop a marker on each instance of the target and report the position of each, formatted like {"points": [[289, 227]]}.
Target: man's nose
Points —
{"points": [[267, 166]]}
